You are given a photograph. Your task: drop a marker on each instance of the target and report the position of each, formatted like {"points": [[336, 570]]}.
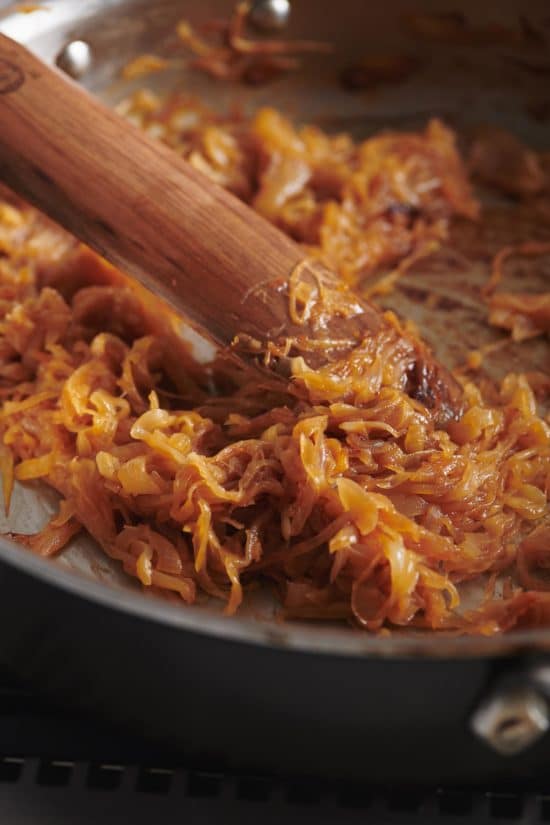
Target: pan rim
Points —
{"points": [[289, 636]]}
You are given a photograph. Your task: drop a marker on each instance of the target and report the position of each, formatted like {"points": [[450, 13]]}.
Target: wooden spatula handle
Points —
{"points": [[138, 204], [155, 217]]}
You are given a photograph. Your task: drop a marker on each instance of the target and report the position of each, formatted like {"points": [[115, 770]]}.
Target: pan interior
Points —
{"points": [[466, 85]]}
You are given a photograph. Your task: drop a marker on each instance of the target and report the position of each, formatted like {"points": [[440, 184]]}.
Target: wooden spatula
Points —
{"points": [[158, 219]]}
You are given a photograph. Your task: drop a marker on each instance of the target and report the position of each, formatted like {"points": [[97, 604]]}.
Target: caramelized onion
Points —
{"points": [[337, 486]]}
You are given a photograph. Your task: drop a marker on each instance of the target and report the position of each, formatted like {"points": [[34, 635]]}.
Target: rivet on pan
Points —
{"points": [[75, 58], [511, 721], [270, 14]]}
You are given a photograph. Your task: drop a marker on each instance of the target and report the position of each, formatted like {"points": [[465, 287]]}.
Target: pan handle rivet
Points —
{"points": [[75, 58], [509, 721], [270, 14]]}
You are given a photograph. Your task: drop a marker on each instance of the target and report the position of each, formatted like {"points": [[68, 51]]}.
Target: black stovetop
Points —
{"points": [[56, 767]]}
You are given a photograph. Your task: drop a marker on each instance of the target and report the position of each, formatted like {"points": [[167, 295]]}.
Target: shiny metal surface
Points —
{"points": [[270, 15], [510, 721], [465, 85], [75, 59]]}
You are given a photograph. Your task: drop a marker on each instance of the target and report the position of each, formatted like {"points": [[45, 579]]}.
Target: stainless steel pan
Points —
{"points": [[251, 689]]}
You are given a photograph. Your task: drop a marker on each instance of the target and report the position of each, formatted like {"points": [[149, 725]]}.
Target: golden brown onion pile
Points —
{"points": [[336, 486]]}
